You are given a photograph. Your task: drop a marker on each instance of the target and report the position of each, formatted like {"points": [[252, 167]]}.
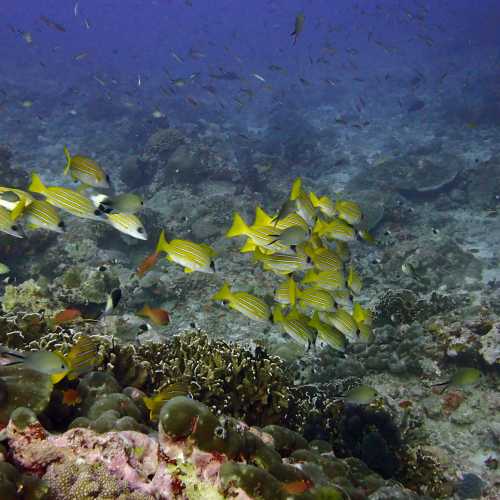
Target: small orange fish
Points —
{"points": [[147, 264], [297, 487], [158, 316], [71, 397], [69, 314]]}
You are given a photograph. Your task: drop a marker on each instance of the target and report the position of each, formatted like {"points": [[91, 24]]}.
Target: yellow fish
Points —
{"points": [[261, 236], [316, 299], [192, 256], [41, 215], [295, 325], [127, 224], [354, 280], [281, 263], [155, 403], [66, 199], [286, 292], [336, 229], [86, 170], [249, 305], [328, 334], [8, 223], [324, 203], [348, 211], [328, 280]]}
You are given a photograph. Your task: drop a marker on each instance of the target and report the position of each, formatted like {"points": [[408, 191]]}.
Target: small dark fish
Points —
{"points": [[52, 24], [299, 26]]}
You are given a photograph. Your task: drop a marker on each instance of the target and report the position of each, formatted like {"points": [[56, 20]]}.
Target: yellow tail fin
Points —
{"points": [[261, 218], [163, 245], [314, 199], [37, 185], [68, 160], [315, 321], [278, 314], [249, 246], [239, 227], [296, 188], [223, 294]]}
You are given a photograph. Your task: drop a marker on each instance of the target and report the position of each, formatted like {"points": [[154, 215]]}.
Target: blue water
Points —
{"points": [[365, 49]]}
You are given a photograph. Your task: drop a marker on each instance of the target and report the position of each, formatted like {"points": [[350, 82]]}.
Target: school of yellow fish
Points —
{"points": [[23, 210], [319, 283]]}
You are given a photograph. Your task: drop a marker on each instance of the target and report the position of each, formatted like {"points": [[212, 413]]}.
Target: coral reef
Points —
{"points": [[194, 447]]}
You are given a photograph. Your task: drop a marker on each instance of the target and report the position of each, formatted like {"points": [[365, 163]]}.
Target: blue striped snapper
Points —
{"points": [[192, 256], [296, 325], [247, 304], [66, 199], [281, 263], [86, 170], [42, 215], [128, 224], [329, 334]]}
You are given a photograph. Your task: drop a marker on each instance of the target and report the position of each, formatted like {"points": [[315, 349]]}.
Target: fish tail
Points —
{"points": [[278, 314], [238, 228], [296, 187], [163, 245], [315, 320], [37, 185], [149, 403], [224, 293], [68, 160], [261, 218], [319, 227], [249, 246], [314, 199]]}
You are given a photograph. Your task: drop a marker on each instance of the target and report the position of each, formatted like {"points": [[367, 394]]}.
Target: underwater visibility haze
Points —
{"points": [[249, 249]]}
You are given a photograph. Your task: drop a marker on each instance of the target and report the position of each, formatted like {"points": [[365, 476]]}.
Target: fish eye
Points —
{"points": [[63, 367], [15, 227], [140, 230], [212, 265], [61, 225]]}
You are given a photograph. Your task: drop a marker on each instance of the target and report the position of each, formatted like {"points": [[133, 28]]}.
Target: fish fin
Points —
{"points": [[188, 270], [149, 403], [37, 185], [278, 314], [57, 377], [314, 199], [17, 211], [296, 187], [261, 217], [68, 160], [163, 245], [238, 228], [249, 246], [223, 294], [293, 314]]}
